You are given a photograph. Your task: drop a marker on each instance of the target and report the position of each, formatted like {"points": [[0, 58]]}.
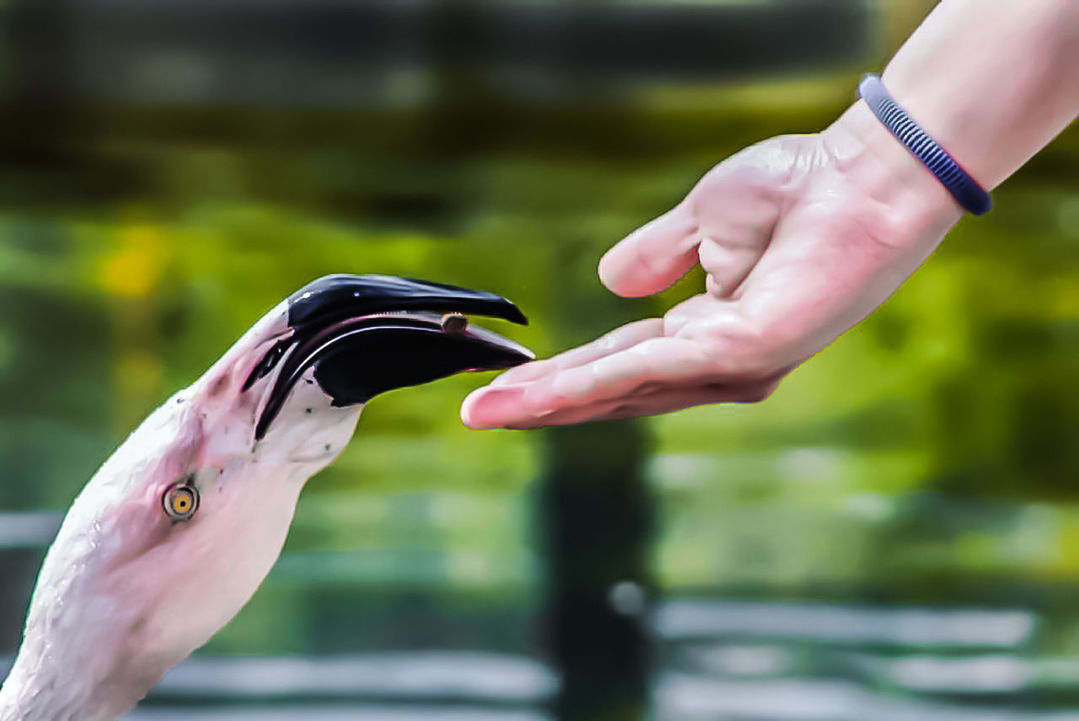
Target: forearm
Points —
{"points": [[992, 81]]}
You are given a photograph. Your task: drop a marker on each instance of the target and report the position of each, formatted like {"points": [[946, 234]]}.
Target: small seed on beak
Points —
{"points": [[454, 323]]}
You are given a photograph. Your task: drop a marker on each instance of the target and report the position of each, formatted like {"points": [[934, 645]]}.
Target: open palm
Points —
{"points": [[801, 237]]}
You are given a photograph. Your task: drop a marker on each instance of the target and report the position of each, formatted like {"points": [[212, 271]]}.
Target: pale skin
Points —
{"points": [[802, 237]]}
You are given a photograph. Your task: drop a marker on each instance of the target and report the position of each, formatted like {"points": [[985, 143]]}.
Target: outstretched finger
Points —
{"points": [[666, 400], [655, 363], [612, 342]]}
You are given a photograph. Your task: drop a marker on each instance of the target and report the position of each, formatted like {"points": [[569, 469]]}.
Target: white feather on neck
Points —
{"points": [[111, 614]]}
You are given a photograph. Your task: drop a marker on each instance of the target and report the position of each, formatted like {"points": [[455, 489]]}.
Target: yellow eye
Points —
{"points": [[180, 501]]}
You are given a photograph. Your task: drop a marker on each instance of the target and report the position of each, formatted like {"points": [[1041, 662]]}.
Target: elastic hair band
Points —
{"points": [[963, 188]]}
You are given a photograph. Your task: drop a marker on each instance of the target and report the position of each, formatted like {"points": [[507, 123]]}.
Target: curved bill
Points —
{"points": [[366, 334]]}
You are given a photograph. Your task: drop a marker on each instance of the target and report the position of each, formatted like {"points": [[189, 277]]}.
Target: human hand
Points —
{"points": [[801, 238]]}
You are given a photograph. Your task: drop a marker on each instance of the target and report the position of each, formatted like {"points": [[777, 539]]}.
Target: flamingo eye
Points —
{"points": [[180, 501]]}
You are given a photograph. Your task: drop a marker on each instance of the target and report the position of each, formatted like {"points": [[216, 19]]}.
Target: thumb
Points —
{"points": [[653, 257], [733, 209]]}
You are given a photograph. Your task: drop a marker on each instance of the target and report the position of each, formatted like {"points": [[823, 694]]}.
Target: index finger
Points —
{"points": [[618, 339], [590, 388]]}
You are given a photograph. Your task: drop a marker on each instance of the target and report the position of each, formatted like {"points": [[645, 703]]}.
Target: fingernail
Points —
{"points": [[492, 407]]}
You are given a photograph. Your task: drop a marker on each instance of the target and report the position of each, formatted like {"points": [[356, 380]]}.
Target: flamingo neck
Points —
{"points": [[38, 695]]}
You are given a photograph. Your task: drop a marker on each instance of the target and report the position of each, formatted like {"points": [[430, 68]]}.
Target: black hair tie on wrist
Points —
{"points": [[963, 188]]}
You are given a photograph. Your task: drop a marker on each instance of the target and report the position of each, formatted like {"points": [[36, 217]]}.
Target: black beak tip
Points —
{"points": [[514, 314], [344, 294], [350, 329]]}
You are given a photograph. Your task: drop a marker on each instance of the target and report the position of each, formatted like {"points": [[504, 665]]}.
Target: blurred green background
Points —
{"points": [[893, 535]]}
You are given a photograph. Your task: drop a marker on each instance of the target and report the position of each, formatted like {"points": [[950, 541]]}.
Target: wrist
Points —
{"points": [[913, 203], [990, 82]]}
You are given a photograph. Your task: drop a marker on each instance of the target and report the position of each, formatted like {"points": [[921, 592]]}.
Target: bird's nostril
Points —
{"points": [[454, 323]]}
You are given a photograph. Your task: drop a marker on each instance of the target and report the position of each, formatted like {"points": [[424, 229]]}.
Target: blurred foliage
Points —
{"points": [[959, 390], [927, 455]]}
